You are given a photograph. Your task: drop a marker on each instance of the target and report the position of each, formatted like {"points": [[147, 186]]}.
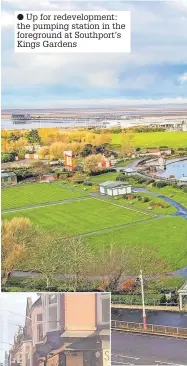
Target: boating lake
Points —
{"points": [[177, 168]]}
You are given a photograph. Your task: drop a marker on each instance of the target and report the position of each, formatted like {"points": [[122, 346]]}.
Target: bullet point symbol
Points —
{"points": [[20, 16]]}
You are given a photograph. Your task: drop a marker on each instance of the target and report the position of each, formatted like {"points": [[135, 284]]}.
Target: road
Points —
{"points": [[141, 349], [167, 318]]}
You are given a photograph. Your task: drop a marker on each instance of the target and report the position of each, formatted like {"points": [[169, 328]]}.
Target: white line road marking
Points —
{"points": [[119, 355], [167, 363], [121, 363]]}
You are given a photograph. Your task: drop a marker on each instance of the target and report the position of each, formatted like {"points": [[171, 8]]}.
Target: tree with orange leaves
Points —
{"points": [[16, 235]]}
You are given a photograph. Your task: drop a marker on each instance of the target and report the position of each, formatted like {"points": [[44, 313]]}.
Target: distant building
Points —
{"points": [[106, 162], [162, 163], [8, 178], [31, 156], [112, 188], [70, 161], [166, 151], [6, 361], [19, 157], [21, 116], [183, 180], [130, 171], [182, 296], [153, 152]]}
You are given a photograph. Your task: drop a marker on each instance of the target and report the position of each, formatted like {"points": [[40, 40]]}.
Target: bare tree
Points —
{"points": [[116, 262], [45, 256], [79, 262]]}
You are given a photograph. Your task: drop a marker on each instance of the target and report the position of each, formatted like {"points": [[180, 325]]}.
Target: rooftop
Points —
{"points": [[8, 174], [183, 289], [113, 184], [129, 170]]}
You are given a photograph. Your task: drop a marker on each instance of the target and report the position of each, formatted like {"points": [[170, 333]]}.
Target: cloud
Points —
{"points": [[7, 19], [183, 78], [51, 102], [159, 38]]}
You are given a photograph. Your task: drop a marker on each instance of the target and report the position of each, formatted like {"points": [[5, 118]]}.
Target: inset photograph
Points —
{"points": [[53, 329]]}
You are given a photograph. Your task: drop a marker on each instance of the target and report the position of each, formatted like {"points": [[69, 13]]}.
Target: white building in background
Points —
{"points": [[182, 296], [117, 188]]}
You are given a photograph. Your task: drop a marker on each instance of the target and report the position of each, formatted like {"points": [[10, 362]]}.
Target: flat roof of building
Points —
{"points": [[113, 184], [8, 174]]}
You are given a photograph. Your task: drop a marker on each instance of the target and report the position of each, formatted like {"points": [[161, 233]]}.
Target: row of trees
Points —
{"points": [[28, 247], [52, 139]]}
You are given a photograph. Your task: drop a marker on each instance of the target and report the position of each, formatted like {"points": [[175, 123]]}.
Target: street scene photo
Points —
{"points": [[53, 329]]}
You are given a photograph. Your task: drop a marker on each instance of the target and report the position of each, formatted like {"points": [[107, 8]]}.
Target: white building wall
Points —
{"points": [[109, 192], [102, 190]]}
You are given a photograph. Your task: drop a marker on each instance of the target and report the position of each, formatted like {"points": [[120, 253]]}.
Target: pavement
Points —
{"points": [[141, 349]]}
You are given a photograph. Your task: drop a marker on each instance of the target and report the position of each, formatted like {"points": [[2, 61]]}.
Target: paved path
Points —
{"points": [[142, 349], [53, 203]]}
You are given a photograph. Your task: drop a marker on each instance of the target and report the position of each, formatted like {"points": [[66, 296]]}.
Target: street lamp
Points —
{"points": [[143, 301]]}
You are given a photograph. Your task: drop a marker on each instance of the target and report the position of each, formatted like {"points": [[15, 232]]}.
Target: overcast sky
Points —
{"points": [[12, 314], [154, 72]]}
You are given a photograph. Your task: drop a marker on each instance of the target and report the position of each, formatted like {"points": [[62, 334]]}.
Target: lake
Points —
{"points": [[177, 168]]}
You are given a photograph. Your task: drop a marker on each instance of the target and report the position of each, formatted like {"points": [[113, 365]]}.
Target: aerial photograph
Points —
{"points": [[94, 179]]}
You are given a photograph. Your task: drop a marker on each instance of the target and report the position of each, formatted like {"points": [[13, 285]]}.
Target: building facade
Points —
{"points": [[67, 329], [8, 178], [111, 188]]}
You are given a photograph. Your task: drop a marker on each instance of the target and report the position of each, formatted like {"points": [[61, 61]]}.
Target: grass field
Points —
{"points": [[80, 216], [174, 193], [104, 177], [153, 139], [84, 216], [31, 194], [168, 235], [136, 204]]}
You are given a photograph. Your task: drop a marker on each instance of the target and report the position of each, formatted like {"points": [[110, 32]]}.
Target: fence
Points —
{"points": [[148, 302], [151, 328]]}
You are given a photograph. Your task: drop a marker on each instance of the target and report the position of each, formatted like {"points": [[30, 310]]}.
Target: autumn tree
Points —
{"points": [[91, 163], [43, 152], [17, 146], [126, 145], [56, 150], [17, 234]]}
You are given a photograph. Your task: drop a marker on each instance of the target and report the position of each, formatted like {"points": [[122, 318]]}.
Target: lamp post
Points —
{"points": [[143, 301]]}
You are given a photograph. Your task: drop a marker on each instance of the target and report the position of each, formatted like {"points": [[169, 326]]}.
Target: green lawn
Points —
{"points": [[36, 193], [168, 234], [78, 217], [135, 203], [104, 177], [174, 193], [153, 139]]}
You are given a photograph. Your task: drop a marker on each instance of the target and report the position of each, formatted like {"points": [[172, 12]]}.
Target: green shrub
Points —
{"points": [[87, 183], [6, 157]]}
